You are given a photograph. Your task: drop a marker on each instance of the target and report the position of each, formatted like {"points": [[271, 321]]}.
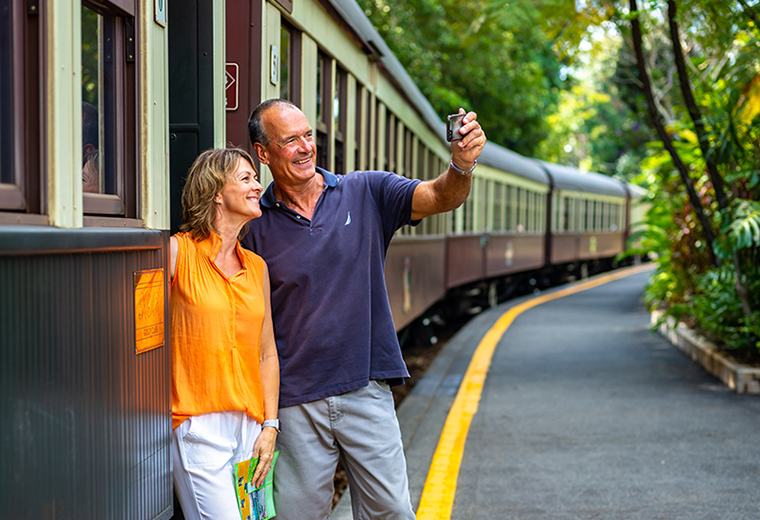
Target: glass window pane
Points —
{"points": [[6, 93], [91, 157], [320, 86], [99, 99], [284, 63]]}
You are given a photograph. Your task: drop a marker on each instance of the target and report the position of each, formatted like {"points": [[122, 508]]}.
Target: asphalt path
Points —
{"points": [[586, 413]]}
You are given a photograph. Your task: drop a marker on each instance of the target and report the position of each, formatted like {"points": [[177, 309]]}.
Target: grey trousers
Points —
{"points": [[360, 427]]}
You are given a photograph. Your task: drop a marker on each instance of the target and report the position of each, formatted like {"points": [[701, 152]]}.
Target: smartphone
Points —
{"points": [[453, 124]]}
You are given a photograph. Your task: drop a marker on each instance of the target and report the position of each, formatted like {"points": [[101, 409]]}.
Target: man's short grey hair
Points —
{"points": [[256, 126]]}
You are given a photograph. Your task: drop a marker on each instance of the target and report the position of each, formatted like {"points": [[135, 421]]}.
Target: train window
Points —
{"points": [[587, 215], [598, 215], [6, 93], [507, 208], [410, 147], [20, 172], [377, 148], [108, 111], [390, 141], [498, 194], [594, 215], [491, 188], [424, 227], [290, 63], [324, 83], [438, 225], [517, 212], [468, 203], [360, 133], [340, 101], [284, 62], [611, 224], [544, 209]]}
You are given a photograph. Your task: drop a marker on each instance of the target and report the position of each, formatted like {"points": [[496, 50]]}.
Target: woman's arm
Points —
{"points": [[173, 250], [270, 383]]}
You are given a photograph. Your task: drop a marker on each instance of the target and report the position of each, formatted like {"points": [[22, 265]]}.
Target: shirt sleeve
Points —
{"points": [[393, 195]]}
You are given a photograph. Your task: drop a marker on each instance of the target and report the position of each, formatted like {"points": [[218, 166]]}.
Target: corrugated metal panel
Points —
{"points": [[85, 424]]}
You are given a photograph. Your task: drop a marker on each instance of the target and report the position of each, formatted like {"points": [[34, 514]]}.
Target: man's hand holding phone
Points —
{"points": [[467, 140]]}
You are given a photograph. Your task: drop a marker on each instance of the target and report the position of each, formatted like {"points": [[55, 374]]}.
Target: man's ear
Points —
{"points": [[261, 153]]}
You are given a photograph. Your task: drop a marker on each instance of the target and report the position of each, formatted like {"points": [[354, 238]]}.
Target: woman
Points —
{"points": [[225, 372]]}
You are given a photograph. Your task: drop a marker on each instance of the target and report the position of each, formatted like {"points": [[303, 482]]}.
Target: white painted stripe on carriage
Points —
{"points": [[441, 484]]}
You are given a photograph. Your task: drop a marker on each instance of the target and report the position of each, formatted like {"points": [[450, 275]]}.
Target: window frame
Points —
{"points": [[25, 200], [122, 203], [21, 200]]}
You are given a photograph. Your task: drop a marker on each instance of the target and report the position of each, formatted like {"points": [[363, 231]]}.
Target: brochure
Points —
{"points": [[254, 503]]}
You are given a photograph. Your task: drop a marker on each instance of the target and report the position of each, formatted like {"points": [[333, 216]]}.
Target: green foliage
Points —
{"points": [[718, 311], [502, 59], [670, 236], [742, 232], [722, 303]]}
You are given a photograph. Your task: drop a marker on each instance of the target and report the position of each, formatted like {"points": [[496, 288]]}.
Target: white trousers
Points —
{"points": [[205, 449]]}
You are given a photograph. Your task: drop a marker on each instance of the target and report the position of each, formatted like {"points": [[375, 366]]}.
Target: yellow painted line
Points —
{"points": [[438, 496]]}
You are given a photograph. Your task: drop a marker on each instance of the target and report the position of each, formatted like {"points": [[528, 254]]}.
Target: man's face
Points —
{"points": [[292, 152]]}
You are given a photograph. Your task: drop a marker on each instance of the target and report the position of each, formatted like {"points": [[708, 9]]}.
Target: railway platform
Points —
{"points": [[565, 405]]}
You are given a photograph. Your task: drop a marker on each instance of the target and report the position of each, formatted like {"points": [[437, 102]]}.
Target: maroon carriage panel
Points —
{"points": [[465, 260], [414, 276], [507, 254]]}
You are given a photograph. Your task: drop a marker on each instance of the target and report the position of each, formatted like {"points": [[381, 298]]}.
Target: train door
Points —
{"points": [[242, 68], [191, 91]]}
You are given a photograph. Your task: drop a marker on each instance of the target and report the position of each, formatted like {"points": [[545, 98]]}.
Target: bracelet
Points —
{"points": [[460, 171]]}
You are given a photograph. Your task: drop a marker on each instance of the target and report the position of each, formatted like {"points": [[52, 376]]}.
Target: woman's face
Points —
{"points": [[240, 195]]}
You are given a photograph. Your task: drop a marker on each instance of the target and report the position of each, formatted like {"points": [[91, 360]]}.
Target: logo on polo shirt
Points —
{"points": [[348, 220]]}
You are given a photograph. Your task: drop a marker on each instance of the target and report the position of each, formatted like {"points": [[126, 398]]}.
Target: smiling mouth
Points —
{"points": [[303, 161]]}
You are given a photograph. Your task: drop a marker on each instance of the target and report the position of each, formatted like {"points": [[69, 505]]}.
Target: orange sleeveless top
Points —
{"points": [[216, 332]]}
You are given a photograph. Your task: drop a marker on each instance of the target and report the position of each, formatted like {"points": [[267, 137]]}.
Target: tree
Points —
{"points": [[503, 59], [662, 134]]}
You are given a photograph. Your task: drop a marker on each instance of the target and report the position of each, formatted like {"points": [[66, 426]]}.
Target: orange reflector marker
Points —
{"points": [[441, 484]]}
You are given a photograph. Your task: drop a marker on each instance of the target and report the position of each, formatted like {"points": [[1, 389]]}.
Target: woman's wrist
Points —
{"points": [[271, 423]]}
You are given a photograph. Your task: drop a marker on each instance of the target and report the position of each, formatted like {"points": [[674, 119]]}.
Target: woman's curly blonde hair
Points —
{"points": [[207, 177]]}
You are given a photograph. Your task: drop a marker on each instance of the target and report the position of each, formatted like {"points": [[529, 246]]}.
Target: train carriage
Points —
{"points": [[104, 104]]}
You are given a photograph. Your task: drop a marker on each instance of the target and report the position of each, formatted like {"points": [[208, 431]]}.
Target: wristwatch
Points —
{"points": [[274, 423], [460, 171]]}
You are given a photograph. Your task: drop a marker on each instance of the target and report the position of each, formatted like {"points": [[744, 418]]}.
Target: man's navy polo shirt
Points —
{"points": [[332, 319]]}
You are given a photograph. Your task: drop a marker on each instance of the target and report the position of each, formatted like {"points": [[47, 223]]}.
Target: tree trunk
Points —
{"points": [[646, 87], [694, 112]]}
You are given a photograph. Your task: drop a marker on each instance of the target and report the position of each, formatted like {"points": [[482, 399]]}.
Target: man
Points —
{"points": [[324, 238]]}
